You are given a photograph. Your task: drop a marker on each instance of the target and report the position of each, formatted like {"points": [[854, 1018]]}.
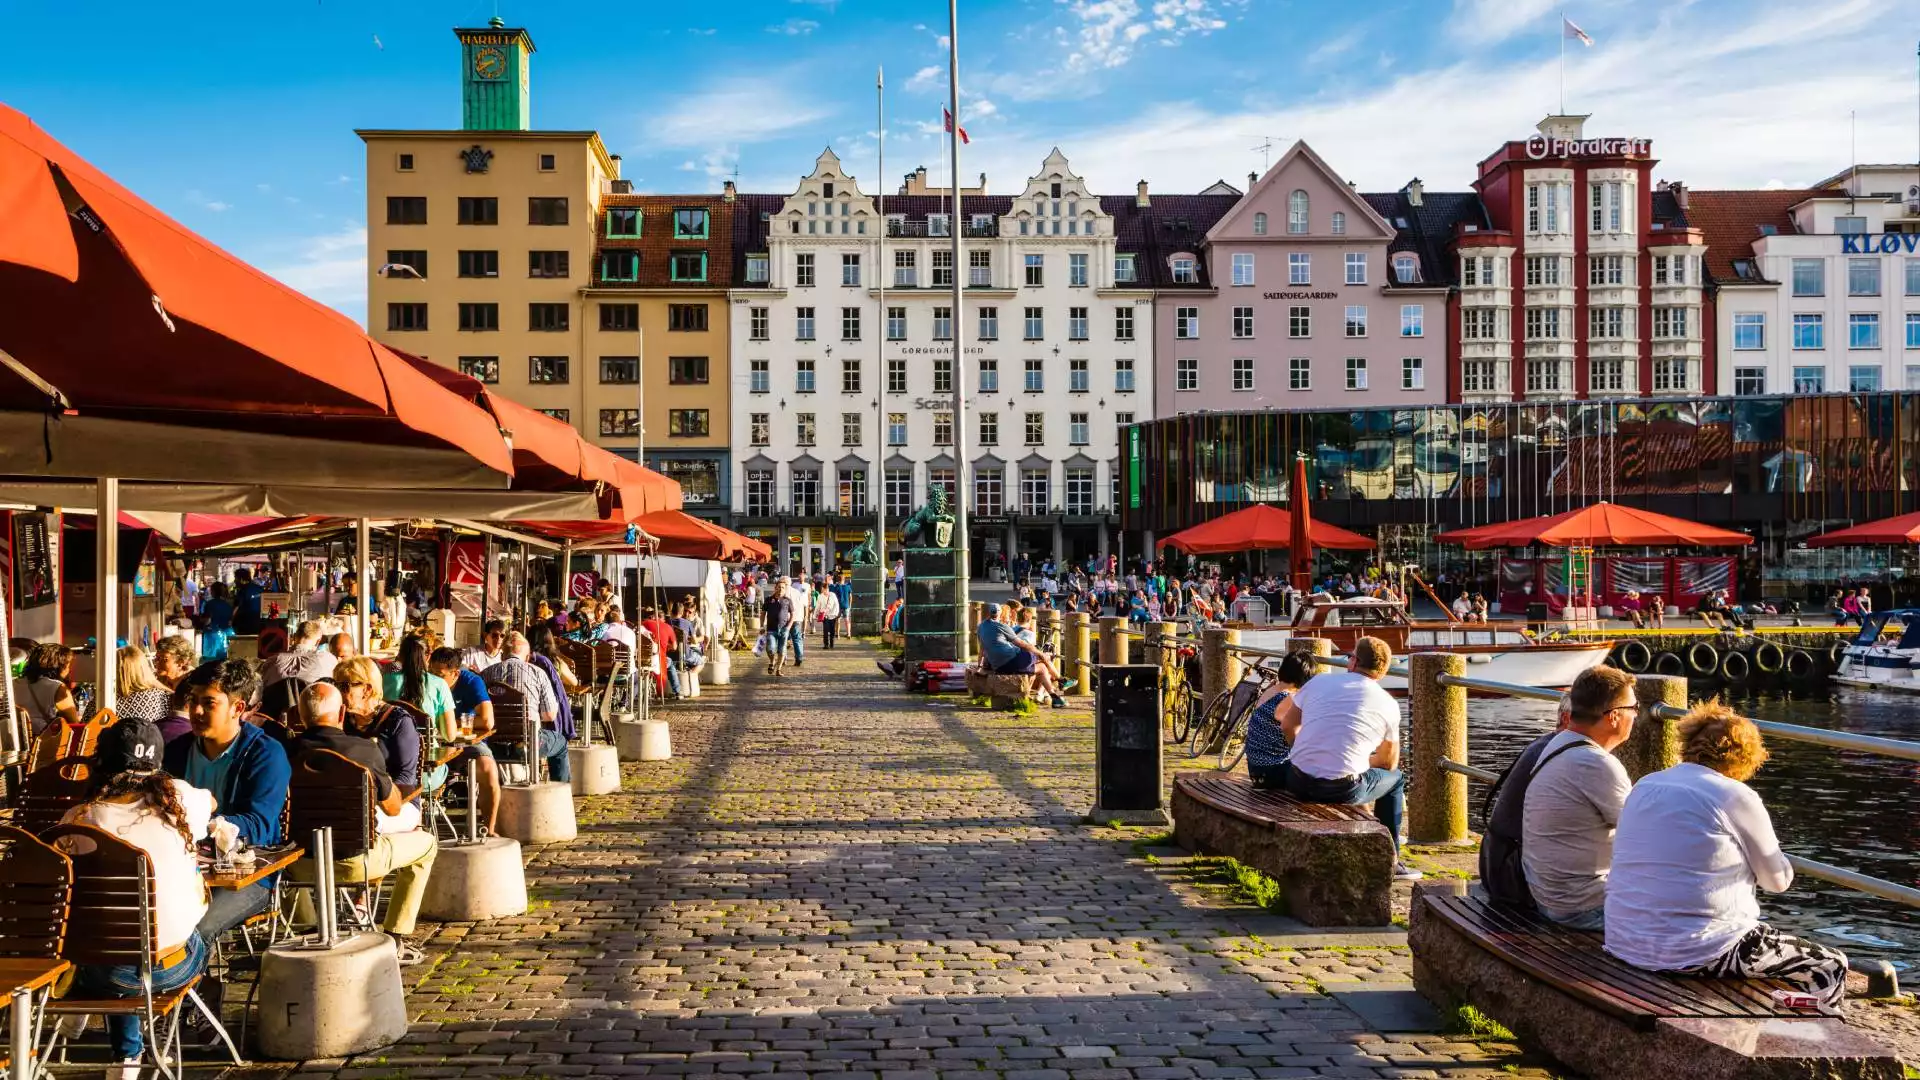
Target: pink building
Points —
{"points": [[1305, 294]]}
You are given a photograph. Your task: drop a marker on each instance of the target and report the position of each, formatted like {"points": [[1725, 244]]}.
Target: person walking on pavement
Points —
{"points": [[826, 608], [782, 624]]}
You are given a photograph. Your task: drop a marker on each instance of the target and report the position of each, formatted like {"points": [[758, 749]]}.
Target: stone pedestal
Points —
{"points": [[869, 599], [472, 882], [331, 1003], [540, 814], [932, 621], [596, 769], [719, 666], [644, 740]]}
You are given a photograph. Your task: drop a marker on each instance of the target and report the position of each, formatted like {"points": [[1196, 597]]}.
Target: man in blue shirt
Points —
{"points": [[474, 709], [244, 768], [1004, 653]]}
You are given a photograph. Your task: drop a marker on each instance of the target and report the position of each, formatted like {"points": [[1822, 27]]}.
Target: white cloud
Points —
{"points": [[830, 6], [1109, 31], [213, 205], [703, 32], [1713, 120], [794, 27], [1182, 17], [1489, 22], [263, 187], [1335, 47], [979, 109], [927, 78], [738, 110], [331, 267]]}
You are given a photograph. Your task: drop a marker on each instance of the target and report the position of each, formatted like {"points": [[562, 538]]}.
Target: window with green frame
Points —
{"points": [[623, 222], [619, 266], [689, 223], [689, 266]]}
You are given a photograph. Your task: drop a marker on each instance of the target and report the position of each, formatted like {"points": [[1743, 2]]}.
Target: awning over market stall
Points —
{"points": [[1895, 531], [1600, 525], [132, 347], [1259, 528], [668, 532]]}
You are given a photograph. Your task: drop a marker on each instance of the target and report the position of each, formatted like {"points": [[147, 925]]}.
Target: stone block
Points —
{"points": [[537, 814], [474, 882], [330, 1003], [1331, 873], [596, 769]]}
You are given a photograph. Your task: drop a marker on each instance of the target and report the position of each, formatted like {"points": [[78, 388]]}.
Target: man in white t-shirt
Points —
{"points": [[1344, 730]]}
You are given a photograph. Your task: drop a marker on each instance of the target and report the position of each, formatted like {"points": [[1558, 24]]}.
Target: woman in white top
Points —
{"points": [[141, 695], [1692, 844], [43, 689], [135, 800]]}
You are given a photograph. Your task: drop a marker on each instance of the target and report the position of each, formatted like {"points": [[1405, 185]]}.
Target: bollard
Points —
{"points": [[1163, 654], [595, 769], [976, 614], [1073, 654], [1312, 646], [1436, 799], [334, 1002], [1220, 670], [1113, 647], [474, 882], [473, 800], [1655, 742], [537, 813]]}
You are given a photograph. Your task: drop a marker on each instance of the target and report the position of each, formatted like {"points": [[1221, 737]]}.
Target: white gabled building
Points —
{"points": [[1057, 354]]}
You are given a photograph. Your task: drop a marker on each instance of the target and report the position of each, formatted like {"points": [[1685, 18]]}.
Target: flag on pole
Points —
{"points": [[947, 116], [1571, 32]]}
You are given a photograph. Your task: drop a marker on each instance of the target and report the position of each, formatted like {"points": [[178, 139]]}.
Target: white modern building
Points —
{"points": [[1818, 289], [833, 392]]}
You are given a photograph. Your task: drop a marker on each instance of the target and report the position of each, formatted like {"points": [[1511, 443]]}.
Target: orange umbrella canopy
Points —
{"points": [[129, 315], [670, 532], [1904, 529], [1599, 525], [1258, 528]]}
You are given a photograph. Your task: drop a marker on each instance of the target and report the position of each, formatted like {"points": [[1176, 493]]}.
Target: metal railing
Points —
{"points": [[1839, 740]]}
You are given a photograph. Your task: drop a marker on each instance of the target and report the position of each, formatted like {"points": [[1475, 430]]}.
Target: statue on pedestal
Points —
{"points": [[863, 553], [931, 526]]}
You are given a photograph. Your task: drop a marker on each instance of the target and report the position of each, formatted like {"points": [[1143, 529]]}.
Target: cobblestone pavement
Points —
{"points": [[833, 877]]}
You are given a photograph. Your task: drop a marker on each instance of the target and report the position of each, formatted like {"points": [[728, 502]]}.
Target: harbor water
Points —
{"points": [[1857, 811]]}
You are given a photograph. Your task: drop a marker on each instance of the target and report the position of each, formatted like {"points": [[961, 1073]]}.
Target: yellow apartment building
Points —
{"points": [[522, 258]]}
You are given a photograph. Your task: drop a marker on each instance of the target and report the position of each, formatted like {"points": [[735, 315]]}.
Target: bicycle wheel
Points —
{"points": [[1234, 746], [1206, 730], [1183, 712]]}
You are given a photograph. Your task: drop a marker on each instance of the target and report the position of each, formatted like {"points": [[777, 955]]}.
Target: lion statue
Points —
{"points": [[931, 526], [863, 553]]}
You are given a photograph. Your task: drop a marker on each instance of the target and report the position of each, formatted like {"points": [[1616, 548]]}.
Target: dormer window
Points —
{"points": [[1297, 213], [1183, 272], [1054, 189], [1339, 223], [1406, 268], [826, 190], [1259, 224], [939, 225]]}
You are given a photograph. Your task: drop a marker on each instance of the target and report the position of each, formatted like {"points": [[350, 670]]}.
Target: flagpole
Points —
{"points": [[877, 479], [961, 541], [1563, 63]]}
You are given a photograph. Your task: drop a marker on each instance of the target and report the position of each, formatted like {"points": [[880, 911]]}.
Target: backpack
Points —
{"points": [[1502, 872]]}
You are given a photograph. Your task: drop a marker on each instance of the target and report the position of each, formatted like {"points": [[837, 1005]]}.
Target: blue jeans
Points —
{"points": [[798, 641], [1386, 789], [123, 981], [553, 747], [1590, 919], [228, 908], [673, 676]]}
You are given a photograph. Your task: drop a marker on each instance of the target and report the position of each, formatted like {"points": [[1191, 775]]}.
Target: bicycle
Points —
{"points": [[1223, 724]]}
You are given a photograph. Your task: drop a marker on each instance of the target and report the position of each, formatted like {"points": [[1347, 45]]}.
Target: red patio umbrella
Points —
{"points": [[1600, 525], [1300, 536], [669, 532], [1258, 528], [1904, 529], [111, 311]]}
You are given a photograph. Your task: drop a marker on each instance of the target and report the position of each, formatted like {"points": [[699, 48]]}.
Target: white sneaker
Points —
{"points": [[126, 1070], [74, 1025], [1403, 872]]}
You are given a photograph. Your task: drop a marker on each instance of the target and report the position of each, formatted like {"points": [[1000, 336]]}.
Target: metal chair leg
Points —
{"points": [[194, 996]]}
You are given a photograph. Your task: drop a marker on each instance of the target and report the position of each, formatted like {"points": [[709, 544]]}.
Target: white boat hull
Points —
{"points": [[1555, 665]]}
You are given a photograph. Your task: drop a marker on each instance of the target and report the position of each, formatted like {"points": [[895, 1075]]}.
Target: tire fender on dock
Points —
{"points": [[1734, 667], [1668, 663], [1635, 656], [1800, 664], [1769, 657], [1703, 658]]}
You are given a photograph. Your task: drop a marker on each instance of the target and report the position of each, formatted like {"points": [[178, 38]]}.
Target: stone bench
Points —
{"points": [[1558, 991], [1005, 691], [1334, 864]]}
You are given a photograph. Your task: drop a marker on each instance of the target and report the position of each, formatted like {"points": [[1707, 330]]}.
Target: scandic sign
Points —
{"points": [[1862, 244], [1540, 147]]}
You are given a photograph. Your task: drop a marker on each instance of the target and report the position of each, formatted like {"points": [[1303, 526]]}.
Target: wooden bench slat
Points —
{"points": [[1585, 970], [1730, 997], [1574, 962], [1236, 797]]}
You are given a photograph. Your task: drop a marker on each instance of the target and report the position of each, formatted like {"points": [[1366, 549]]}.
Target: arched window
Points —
{"points": [[1339, 223], [1406, 268], [1259, 224], [1297, 212]]}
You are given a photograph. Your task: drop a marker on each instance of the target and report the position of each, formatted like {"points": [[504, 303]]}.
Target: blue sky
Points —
{"points": [[238, 118]]}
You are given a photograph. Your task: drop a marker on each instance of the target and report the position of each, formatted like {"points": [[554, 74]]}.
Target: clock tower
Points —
{"points": [[494, 86]]}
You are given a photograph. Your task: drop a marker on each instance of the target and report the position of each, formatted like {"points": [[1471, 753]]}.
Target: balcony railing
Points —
{"points": [[922, 229]]}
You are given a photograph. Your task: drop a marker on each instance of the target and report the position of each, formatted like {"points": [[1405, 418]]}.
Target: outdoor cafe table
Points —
{"points": [[25, 978], [240, 877]]}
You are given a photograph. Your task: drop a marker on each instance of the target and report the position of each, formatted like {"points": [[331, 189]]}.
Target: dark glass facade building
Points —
{"points": [[1781, 468]]}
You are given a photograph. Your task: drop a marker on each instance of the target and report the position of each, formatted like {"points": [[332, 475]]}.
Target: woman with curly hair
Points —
{"points": [[1692, 843], [134, 799], [44, 688]]}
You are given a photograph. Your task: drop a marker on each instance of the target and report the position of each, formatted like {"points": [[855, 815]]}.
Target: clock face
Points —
{"points": [[489, 63]]}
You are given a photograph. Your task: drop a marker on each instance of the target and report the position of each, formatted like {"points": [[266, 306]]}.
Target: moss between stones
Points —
{"points": [[1467, 1020]]}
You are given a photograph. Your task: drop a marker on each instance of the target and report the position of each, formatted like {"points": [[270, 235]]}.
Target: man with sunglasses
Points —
{"points": [[1573, 800]]}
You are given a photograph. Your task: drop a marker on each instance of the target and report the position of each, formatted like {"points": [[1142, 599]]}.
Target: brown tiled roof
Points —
{"points": [[657, 244], [1731, 222]]}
